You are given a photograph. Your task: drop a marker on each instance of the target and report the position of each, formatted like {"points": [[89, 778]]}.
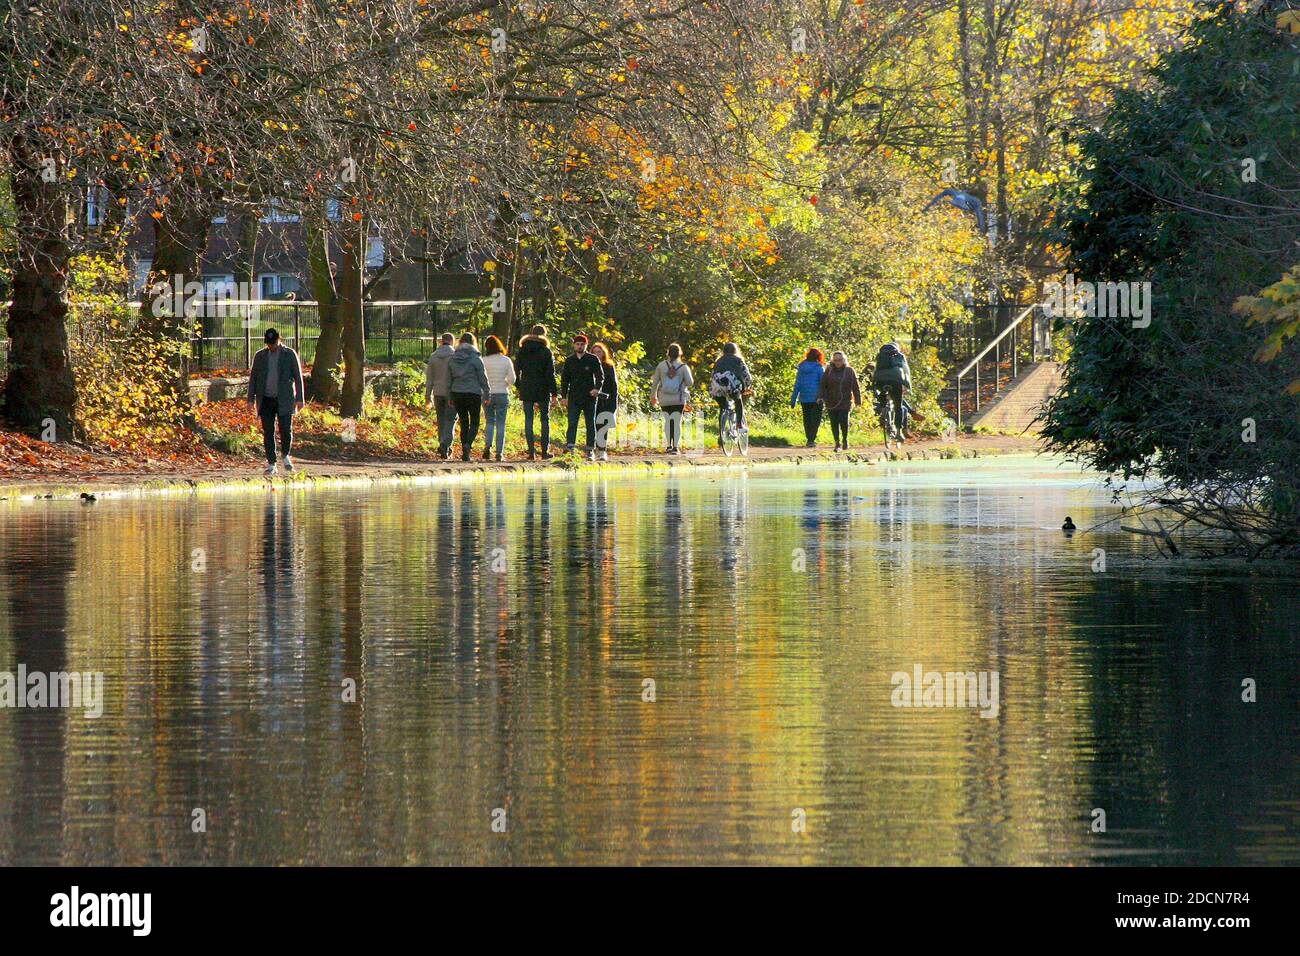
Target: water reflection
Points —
{"points": [[344, 677]]}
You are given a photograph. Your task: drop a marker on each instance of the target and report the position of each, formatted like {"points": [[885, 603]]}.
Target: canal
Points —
{"points": [[713, 669]]}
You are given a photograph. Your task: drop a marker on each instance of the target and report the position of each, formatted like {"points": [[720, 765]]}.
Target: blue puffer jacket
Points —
{"points": [[807, 382]]}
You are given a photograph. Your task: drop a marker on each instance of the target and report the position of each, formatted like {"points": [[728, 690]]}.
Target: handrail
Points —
{"points": [[1001, 335], [993, 344]]}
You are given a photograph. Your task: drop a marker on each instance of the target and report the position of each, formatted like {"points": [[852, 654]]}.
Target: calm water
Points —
{"points": [[499, 638]]}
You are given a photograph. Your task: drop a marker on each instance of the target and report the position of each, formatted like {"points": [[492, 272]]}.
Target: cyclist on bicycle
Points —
{"points": [[891, 378], [731, 382]]}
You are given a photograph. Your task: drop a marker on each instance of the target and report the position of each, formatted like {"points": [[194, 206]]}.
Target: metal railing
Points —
{"points": [[230, 330], [1040, 345]]}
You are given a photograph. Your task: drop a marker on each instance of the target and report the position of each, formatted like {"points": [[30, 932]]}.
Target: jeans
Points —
{"points": [[673, 425], [812, 420], [446, 416], [585, 409], [840, 426], [269, 411], [496, 422], [543, 410], [468, 407]]}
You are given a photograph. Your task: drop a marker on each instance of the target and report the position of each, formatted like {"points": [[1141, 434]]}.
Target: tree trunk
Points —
{"points": [[250, 224], [352, 308], [180, 237], [322, 385], [39, 390], [970, 161]]}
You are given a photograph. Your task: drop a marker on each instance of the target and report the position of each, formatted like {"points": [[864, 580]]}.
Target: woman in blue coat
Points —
{"points": [[807, 385]]}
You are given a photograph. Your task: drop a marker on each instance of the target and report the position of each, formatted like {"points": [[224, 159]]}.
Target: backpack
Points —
{"points": [[889, 367], [673, 381], [888, 357]]}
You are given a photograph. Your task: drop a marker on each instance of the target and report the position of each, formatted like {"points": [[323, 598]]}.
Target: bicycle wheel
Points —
{"points": [[885, 412], [742, 439], [726, 432]]}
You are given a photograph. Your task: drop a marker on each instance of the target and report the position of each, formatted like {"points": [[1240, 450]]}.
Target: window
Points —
{"points": [[374, 252], [276, 212], [334, 210], [140, 274], [219, 218], [96, 198], [219, 283], [273, 285]]}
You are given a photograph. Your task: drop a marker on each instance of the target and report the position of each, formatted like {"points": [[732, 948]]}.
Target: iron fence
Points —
{"points": [[229, 332]]}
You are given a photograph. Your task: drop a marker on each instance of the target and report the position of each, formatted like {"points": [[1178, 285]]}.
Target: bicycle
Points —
{"points": [[733, 438], [887, 412]]}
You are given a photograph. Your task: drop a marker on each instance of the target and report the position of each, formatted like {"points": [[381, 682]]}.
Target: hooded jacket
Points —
{"points": [[535, 370], [807, 382], [467, 373], [437, 377], [736, 365], [889, 371]]}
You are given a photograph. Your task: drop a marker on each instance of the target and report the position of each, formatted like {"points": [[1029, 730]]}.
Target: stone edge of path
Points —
{"points": [[380, 473]]}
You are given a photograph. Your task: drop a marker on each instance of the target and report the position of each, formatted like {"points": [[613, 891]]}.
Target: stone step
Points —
{"points": [[1016, 407]]}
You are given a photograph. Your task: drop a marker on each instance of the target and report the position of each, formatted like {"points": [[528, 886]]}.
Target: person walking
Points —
{"points": [[670, 389], [535, 368], [893, 377], [469, 390], [276, 390], [607, 401], [807, 389], [581, 379], [839, 391], [500, 373], [437, 387], [731, 383]]}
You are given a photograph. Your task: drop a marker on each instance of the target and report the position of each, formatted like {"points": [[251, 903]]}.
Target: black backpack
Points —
{"points": [[888, 357]]}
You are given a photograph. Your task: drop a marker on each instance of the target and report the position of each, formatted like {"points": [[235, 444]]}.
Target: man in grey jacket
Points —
{"points": [[469, 389], [437, 387], [275, 389]]}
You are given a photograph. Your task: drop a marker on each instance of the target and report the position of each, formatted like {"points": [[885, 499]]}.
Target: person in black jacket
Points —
{"points": [[607, 401], [581, 379], [275, 389], [535, 380]]}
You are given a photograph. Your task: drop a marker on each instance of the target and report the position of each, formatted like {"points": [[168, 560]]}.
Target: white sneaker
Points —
{"points": [[270, 470], [604, 456], [287, 462]]}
